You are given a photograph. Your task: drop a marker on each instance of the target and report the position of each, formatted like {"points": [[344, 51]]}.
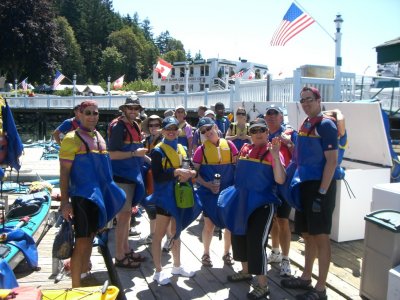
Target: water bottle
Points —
{"points": [[217, 181], [186, 163]]}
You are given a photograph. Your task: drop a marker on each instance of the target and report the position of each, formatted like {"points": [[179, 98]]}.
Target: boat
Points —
{"points": [[104, 292], [18, 228]]}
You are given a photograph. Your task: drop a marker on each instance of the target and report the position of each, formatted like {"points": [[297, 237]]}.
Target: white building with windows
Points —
{"points": [[211, 74]]}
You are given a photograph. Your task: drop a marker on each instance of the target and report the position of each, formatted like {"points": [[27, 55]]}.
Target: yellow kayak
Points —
{"points": [[87, 293]]}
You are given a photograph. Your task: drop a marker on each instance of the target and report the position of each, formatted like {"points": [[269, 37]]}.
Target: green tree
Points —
{"points": [[147, 30], [72, 61], [28, 39], [130, 45], [112, 63], [175, 55]]}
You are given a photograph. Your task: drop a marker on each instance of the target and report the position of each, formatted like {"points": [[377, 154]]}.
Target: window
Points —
{"points": [[201, 87], [181, 72], [190, 87], [181, 88], [172, 72], [162, 89], [158, 75], [191, 71], [207, 71], [202, 71]]}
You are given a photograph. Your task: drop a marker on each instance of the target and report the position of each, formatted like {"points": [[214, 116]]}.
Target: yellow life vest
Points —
{"points": [[213, 155], [172, 157]]}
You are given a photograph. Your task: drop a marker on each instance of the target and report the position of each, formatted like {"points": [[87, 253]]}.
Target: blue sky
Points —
{"points": [[235, 28]]}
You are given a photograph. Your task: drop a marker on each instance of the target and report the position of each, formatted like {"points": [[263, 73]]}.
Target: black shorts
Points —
{"points": [[309, 221], [163, 212], [86, 217], [283, 210], [151, 211]]}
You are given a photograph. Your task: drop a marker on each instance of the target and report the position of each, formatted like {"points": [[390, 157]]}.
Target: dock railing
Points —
{"points": [[276, 90]]}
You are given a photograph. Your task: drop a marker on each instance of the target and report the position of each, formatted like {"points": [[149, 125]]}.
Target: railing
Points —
{"points": [[280, 91]]}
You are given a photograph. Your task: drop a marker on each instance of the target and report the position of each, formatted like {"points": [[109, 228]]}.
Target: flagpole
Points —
{"points": [[304, 10], [338, 61]]}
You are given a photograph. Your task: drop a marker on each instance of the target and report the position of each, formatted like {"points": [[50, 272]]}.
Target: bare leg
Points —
{"points": [[310, 254], [275, 234], [227, 241], [80, 259], [122, 234], [324, 258], [160, 230], [285, 235], [207, 234]]}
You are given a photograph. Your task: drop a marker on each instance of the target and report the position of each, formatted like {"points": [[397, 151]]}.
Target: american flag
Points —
{"points": [[57, 80], [24, 84], [294, 21]]}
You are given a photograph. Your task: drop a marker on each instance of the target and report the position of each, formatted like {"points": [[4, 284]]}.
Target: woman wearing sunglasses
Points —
{"points": [[215, 156], [166, 165], [247, 208], [238, 131], [86, 178]]}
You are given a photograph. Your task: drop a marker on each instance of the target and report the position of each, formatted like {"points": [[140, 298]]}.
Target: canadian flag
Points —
{"points": [[119, 82], [163, 68]]}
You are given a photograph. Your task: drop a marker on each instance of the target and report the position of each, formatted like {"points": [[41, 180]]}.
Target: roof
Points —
{"points": [[95, 89], [389, 52]]}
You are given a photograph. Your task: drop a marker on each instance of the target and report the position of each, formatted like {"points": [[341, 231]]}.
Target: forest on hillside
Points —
{"points": [[83, 37]]}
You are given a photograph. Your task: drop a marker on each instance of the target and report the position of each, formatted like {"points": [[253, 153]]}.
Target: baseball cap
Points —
{"points": [[274, 107], [258, 123], [205, 121], [209, 112], [169, 121]]}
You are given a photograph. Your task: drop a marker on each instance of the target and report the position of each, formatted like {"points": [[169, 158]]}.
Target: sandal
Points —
{"points": [[258, 292], [239, 276], [136, 257], [296, 283], [206, 261], [126, 262], [228, 260], [313, 295]]}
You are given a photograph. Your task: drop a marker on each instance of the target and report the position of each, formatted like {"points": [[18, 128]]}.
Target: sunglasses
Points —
{"points": [[207, 129], [154, 125], [91, 113], [133, 108], [240, 114], [258, 130], [308, 100], [272, 112], [172, 128]]}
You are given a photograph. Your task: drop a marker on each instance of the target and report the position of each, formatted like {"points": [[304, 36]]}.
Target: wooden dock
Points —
{"points": [[209, 283]]}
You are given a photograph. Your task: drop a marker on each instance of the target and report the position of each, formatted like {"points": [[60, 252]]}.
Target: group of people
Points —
{"points": [[242, 178]]}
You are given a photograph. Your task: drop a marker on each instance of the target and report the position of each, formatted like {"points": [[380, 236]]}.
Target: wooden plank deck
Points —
{"points": [[209, 283]]}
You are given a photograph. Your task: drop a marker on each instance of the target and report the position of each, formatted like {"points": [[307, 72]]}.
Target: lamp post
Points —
{"points": [[186, 77], [108, 84], [74, 83], [338, 58], [362, 82], [16, 87]]}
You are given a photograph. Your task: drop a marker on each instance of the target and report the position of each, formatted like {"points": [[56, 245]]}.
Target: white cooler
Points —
{"points": [[386, 196]]}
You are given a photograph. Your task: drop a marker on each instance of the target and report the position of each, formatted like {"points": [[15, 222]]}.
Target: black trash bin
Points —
{"points": [[381, 252]]}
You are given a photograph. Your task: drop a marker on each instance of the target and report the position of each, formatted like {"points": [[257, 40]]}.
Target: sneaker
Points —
{"points": [[285, 268], [133, 232], [146, 241], [161, 278], [274, 257], [167, 245], [258, 292], [181, 271]]}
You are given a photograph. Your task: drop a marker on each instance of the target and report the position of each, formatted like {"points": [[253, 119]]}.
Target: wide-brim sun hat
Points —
{"points": [[209, 112], [131, 101], [145, 123]]}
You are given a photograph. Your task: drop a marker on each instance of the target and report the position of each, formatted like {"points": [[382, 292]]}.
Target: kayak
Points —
{"points": [[22, 222], [87, 293]]}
